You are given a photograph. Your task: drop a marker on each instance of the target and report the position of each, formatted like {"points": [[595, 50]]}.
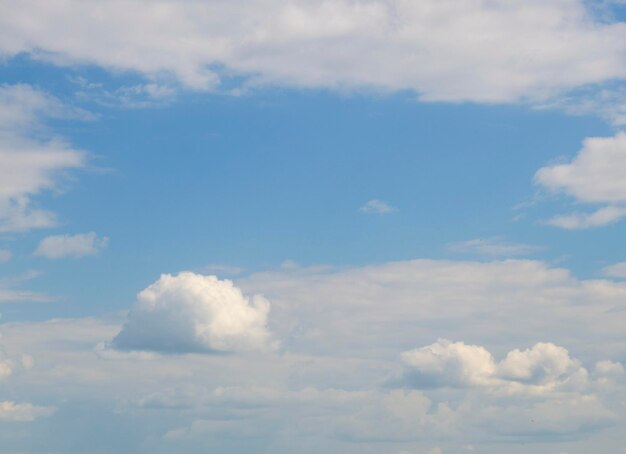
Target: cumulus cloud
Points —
{"points": [[29, 164], [24, 412], [194, 313], [492, 247], [594, 176], [440, 49], [376, 206], [543, 368], [79, 245]]}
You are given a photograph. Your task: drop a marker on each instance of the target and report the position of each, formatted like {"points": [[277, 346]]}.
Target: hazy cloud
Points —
{"points": [[376, 206], [79, 245]]}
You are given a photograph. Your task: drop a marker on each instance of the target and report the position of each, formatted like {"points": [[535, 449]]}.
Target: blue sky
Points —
{"points": [[341, 226]]}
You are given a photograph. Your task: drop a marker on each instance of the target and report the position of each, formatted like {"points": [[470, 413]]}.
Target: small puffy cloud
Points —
{"points": [[544, 363], [194, 313], [492, 247], [449, 364], [376, 206], [80, 245], [595, 176], [11, 411], [544, 367]]}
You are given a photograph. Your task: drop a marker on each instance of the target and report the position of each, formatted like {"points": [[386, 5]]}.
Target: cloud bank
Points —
{"points": [[442, 50], [194, 313]]}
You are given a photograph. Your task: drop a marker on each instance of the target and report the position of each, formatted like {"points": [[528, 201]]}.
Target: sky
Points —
{"points": [[348, 226]]}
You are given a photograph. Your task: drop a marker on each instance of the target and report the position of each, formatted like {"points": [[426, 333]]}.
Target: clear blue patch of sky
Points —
{"points": [[280, 174]]}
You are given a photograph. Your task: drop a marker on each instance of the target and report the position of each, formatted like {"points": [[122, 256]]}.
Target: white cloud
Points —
{"points": [[195, 313], [615, 270], [594, 176], [11, 293], [376, 206], [11, 411], [342, 331], [29, 164], [543, 368], [440, 49], [492, 247], [576, 221], [504, 302], [79, 245]]}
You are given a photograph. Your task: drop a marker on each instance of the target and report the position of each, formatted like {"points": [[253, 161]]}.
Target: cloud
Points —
{"points": [[594, 176], [376, 206], [30, 164], [5, 255], [504, 302], [615, 270], [543, 368], [10, 411], [441, 50], [492, 247], [79, 245], [342, 333], [195, 313], [599, 218], [11, 293], [6, 368]]}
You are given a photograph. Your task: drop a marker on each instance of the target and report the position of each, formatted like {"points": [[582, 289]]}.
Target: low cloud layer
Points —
{"points": [[194, 313]]}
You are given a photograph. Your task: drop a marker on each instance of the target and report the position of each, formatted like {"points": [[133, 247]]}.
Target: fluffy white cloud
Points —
{"points": [[441, 49], [543, 368], [595, 175], [195, 313], [376, 206], [11, 411], [492, 247], [30, 165], [79, 245]]}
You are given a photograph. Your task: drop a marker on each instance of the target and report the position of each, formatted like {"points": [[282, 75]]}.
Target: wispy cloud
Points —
{"points": [[376, 206], [79, 245], [30, 164], [492, 247]]}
